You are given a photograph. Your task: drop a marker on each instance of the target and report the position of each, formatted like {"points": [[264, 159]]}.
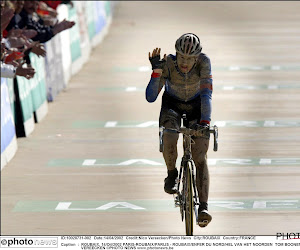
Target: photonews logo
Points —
{"points": [[288, 236], [23, 242]]}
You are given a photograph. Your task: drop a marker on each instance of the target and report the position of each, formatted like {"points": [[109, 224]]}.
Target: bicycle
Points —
{"points": [[187, 198]]}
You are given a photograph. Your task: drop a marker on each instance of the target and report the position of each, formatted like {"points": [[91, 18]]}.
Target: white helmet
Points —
{"points": [[188, 44]]}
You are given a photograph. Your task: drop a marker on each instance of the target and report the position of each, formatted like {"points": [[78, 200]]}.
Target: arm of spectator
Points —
{"points": [[63, 25], [6, 16], [44, 34], [14, 32], [10, 71], [49, 21], [29, 33], [21, 42], [39, 50], [25, 72]]}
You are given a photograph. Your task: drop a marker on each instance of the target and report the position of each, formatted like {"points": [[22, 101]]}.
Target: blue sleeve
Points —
{"points": [[206, 88], [154, 87], [156, 84]]}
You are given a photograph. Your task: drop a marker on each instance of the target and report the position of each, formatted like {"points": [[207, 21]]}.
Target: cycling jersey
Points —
{"points": [[185, 87]]}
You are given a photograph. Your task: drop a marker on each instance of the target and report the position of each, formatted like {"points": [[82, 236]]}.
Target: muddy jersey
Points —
{"points": [[185, 87]]}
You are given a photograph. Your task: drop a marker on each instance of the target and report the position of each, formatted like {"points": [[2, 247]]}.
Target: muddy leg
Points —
{"points": [[199, 150]]}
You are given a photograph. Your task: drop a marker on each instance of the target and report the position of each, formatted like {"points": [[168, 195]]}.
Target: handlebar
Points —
{"points": [[191, 132]]}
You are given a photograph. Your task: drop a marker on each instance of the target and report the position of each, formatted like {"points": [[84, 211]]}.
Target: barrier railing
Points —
{"points": [[25, 102]]}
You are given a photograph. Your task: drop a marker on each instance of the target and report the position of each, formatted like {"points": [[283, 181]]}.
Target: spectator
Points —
{"points": [[54, 4], [7, 48], [31, 20], [7, 13], [45, 10], [11, 71], [48, 14]]}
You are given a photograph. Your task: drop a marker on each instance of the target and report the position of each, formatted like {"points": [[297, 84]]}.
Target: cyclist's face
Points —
{"points": [[185, 63]]}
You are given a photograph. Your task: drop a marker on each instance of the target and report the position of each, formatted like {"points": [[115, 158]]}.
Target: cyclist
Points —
{"points": [[188, 89]]}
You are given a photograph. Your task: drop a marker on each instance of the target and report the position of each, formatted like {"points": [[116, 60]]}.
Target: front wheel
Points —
{"points": [[189, 204]]}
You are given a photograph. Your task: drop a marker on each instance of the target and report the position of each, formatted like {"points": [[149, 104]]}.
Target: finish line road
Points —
{"points": [[93, 167]]}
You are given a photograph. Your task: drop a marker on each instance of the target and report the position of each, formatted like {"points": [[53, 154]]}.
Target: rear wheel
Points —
{"points": [[188, 201]]}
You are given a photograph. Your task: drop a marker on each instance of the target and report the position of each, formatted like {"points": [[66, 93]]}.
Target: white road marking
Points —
{"points": [[145, 161], [89, 162], [265, 161], [228, 204], [131, 89], [144, 69], [269, 124], [110, 124], [65, 206], [147, 124]]}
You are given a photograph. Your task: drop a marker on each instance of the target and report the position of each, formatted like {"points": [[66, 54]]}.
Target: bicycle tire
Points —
{"points": [[189, 203]]}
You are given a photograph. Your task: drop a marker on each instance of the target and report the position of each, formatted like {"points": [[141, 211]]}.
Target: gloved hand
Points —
{"points": [[201, 126], [155, 59]]}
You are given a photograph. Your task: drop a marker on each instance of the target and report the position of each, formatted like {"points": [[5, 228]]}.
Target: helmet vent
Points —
{"points": [[188, 44]]}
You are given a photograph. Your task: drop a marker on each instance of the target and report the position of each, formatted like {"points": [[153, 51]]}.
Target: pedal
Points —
{"points": [[176, 200]]}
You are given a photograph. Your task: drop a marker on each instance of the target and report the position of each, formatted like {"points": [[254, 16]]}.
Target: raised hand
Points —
{"points": [[39, 50], [63, 25], [155, 59]]}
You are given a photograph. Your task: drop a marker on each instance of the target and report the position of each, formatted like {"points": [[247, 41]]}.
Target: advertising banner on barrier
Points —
{"points": [[108, 8], [24, 90], [102, 21], [83, 30], [74, 34], [8, 131], [38, 87], [63, 13], [37, 83], [12, 99], [91, 18], [100, 15], [55, 80], [7, 122]]}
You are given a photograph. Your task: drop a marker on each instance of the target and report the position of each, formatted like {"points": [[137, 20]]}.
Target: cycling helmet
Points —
{"points": [[188, 44]]}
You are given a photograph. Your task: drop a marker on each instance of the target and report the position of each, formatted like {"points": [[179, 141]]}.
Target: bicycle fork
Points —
{"points": [[178, 197]]}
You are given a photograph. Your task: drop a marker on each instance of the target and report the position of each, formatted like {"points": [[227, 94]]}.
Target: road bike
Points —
{"points": [[186, 197]]}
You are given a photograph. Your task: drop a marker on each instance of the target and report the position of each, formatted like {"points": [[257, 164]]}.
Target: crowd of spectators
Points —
{"points": [[25, 27]]}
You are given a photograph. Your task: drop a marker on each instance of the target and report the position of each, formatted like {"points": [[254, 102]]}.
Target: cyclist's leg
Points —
{"points": [[199, 150], [170, 119]]}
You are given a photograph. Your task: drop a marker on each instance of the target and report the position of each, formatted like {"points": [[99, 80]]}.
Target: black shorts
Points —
{"points": [[172, 110]]}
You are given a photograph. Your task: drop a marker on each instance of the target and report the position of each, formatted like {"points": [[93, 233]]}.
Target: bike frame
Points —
{"points": [[187, 162]]}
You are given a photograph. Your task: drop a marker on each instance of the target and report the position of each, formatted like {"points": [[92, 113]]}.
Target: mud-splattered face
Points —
{"points": [[185, 63]]}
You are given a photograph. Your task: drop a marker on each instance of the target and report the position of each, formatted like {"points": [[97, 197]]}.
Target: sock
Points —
{"points": [[203, 205], [173, 173]]}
